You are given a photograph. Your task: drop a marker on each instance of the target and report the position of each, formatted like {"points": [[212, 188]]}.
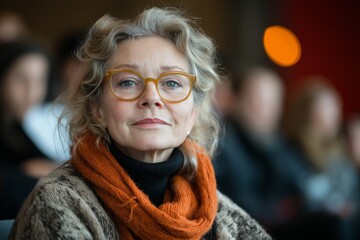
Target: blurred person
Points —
{"points": [[253, 166], [352, 134], [41, 121], [329, 185], [69, 67], [142, 132], [11, 27], [24, 68], [352, 131]]}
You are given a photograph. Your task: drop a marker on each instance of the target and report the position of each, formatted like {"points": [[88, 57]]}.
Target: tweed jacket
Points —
{"points": [[64, 206]]}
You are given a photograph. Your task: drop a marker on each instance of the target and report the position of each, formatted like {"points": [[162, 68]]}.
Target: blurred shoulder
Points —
{"points": [[65, 178], [234, 223], [64, 175]]}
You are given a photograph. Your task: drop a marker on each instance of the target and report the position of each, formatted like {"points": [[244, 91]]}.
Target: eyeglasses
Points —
{"points": [[129, 85]]}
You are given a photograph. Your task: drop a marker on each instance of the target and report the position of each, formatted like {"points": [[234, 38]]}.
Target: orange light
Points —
{"points": [[282, 46]]}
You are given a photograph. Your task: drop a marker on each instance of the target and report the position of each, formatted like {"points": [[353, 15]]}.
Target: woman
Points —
{"points": [[141, 126], [24, 70]]}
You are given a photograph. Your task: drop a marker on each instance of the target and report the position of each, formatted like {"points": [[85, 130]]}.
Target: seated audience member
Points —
{"points": [[24, 68], [254, 165], [41, 122], [330, 185], [142, 131]]}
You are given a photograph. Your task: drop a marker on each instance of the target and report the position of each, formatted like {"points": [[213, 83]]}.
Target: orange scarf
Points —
{"points": [[188, 210]]}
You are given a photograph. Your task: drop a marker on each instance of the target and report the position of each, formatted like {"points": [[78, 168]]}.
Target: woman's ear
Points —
{"points": [[97, 113], [193, 117]]}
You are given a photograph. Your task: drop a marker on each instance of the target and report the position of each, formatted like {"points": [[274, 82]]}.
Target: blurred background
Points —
{"points": [[289, 100], [327, 29]]}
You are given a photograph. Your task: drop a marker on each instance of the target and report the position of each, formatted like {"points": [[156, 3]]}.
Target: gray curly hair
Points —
{"points": [[101, 43]]}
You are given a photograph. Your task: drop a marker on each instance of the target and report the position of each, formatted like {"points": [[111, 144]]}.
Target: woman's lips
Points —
{"points": [[150, 122]]}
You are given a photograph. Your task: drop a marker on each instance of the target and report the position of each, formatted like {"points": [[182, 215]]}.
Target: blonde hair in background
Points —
{"points": [[100, 45], [298, 126]]}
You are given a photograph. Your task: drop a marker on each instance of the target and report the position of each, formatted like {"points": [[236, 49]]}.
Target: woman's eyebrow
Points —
{"points": [[171, 68], [162, 68], [131, 66]]}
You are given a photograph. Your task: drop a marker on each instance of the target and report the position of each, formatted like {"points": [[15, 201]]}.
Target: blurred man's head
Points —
{"points": [[11, 27], [258, 100]]}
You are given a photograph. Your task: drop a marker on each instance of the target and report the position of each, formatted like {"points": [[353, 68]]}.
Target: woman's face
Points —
{"points": [[25, 85], [148, 128]]}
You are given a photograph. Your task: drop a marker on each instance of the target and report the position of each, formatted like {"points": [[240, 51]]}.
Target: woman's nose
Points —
{"points": [[150, 97]]}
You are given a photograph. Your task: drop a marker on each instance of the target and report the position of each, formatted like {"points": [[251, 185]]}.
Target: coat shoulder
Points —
{"points": [[63, 205]]}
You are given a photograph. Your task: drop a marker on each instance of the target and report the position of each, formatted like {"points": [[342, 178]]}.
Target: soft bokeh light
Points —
{"points": [[282, 46]]}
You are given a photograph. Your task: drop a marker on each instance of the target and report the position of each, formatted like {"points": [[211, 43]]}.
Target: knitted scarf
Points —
{"points": [[188, 210]]}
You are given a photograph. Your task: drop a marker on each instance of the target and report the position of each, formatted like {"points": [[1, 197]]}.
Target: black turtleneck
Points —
{"points": [[151, 178]]}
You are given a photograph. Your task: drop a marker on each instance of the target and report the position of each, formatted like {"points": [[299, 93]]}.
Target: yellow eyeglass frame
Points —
{"points": [[110, 72]]}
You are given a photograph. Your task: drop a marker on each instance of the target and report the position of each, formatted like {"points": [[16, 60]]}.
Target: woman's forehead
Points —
{"points": [[148, 53]]}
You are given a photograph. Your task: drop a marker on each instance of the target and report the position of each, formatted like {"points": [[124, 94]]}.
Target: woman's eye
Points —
{"points": [[127, 83], [172, 84]]}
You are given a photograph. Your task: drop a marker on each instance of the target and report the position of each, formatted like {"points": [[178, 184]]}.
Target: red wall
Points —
{"points": [[329, 32]]}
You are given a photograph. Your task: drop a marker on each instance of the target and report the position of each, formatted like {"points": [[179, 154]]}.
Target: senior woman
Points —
{"points": [[142, 130]]}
